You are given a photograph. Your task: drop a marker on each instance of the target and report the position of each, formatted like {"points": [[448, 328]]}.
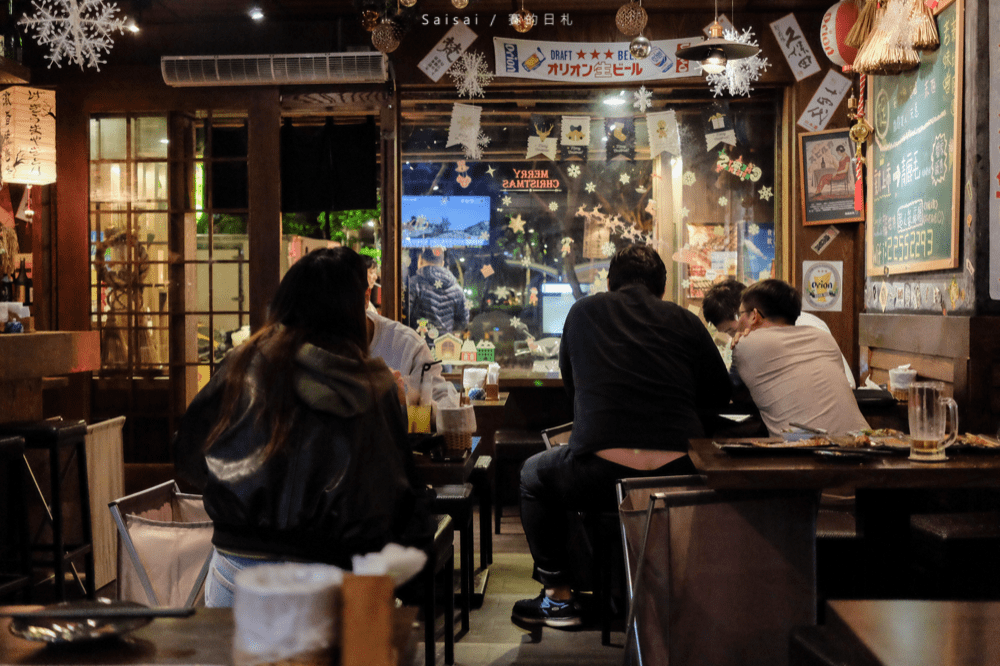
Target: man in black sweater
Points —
{"points": [[638, 370]]}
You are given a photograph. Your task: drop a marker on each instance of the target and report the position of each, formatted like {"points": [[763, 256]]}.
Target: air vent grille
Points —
{"points": [[249, 70]]}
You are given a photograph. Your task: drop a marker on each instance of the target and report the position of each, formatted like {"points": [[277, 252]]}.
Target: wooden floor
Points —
{"points": [[494, 640]]}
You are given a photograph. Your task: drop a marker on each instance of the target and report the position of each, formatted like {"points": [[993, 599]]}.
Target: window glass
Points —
{"points": [[496, 250]]}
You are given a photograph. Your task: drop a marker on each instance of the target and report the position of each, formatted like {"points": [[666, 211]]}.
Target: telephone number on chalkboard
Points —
{"points": [[910, 246]]}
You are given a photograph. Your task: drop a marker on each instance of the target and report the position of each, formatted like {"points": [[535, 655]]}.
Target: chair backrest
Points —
{"points": [[106, 472], [164, 546], [716, 578], [557, 435]]}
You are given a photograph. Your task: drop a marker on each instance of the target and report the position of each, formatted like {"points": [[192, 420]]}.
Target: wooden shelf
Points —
{"points": [[12, 72]]}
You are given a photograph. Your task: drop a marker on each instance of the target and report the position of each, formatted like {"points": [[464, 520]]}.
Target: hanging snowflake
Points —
{"points": [[624, 178], [506, 200], [608, 249], [738, 74], [689, 178], [573, 171], [591, 188], [553, 206], [766, 193], [643, 99], [723, 201], [471, 75], [474, 151], [78, 31]]}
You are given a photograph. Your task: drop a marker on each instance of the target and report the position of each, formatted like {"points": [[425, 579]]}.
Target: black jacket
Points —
{"points": [[343, 485]]}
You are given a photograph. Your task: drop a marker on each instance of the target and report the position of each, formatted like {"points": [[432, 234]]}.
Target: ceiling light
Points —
{"points": [[615, 100], [706, 52], [131, 25], [257, 14]]}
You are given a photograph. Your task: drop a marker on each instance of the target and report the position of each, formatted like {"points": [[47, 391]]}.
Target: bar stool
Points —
{"points": [[482, 486], [15, 567], [455, 500], [52, 438]]}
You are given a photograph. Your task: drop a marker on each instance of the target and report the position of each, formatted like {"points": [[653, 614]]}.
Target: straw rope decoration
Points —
{"points": [[859, 188], [863, 25], [889, 49], [925, 34]]}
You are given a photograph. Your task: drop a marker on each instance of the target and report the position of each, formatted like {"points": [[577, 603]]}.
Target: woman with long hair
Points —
{"points": [[298, 442]]}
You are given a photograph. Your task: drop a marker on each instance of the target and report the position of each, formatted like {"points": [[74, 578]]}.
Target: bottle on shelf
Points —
{"points": [[12, 43], [20, 284], [6, 289]]}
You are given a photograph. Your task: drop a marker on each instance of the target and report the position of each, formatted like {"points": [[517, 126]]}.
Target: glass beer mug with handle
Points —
{"points": [[933, 421]]}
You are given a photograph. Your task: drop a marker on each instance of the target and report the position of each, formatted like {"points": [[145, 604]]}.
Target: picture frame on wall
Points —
{"points": [[826, 177]]}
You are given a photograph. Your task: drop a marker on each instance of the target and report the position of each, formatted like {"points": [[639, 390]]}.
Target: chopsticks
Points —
{"points": [[800, 426], [98, 612]]}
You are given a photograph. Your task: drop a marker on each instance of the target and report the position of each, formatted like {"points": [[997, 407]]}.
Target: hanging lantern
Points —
{"points": [[837, 22], [369, 19], [639, 47], [631, 19], [864, 24], [29, 135], [387, 35], [523, 20]]}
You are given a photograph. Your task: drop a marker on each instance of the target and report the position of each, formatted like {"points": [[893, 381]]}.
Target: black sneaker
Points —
{"points": [[552, 613]]}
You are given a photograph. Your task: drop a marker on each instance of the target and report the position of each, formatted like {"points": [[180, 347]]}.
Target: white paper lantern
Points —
{"points": [[28, 127]]}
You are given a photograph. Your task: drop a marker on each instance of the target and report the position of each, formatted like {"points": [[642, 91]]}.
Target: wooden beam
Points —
{"points": [[264, 226]]}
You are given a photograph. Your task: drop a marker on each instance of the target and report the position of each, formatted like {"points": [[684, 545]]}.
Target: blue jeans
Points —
{"points": [[219, 585], [556, 482]]}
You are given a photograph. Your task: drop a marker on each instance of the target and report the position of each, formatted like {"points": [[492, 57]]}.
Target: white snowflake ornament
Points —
{"points": [[608, 249], [753, 229], [573, 171], [689, 178], [553, 206], [591, 188], [738, 74], [471, 75], [624, 178], [474, 151], [506, 201], [78, 31], [723, 201], [643, 99], [766, 193]]}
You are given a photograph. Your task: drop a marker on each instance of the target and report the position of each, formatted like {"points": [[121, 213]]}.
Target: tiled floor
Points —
{"points": [[495, 641]]}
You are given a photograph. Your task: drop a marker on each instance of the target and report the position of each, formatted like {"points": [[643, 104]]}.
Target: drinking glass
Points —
{"points": [[932, 417]]}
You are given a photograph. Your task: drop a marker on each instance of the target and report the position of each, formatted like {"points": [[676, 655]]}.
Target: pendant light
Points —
{"points": [[716, 51]]}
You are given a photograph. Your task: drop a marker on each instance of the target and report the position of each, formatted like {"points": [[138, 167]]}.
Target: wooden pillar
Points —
{"points": [[392, 188], [264, 225]]}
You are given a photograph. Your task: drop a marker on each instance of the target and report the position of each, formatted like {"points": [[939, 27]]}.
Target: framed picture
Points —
{"points": [[826, 171]]}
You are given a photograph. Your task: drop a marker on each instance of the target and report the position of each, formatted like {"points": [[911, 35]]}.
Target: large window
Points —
{"points": [[525, 234]]}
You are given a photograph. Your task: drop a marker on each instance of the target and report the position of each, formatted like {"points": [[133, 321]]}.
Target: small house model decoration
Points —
{"points": [[469, 351], [447, 348], [485, 351]]}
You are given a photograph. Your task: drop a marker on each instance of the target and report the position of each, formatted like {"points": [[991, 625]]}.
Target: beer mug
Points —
{"points": [[930, 413]]}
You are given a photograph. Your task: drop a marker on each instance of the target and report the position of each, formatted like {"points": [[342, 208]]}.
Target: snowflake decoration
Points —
{"points": [[474, 151], [689, 178], [438, 284], [643, 99], [684, 212], [686, 283], [553, 206], [723, 201], [484, 236], [517, 224], [590, 187], [766, 193], [525, 261], [506, 200], [738, 74], [624, 178], [471, 75], [608, 249], [573, 171], [515, 322], [76, 30]]}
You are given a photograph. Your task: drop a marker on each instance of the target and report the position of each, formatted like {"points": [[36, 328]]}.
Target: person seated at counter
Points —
{"points": [[298, 442], [637, 369], [722, 302], [793, 373], [435, 295]]}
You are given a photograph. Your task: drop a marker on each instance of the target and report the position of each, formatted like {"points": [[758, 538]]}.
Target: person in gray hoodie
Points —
{"points": [[298, 442]]}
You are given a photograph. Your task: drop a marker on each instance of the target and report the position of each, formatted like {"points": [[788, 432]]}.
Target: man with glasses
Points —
{"points": [[793, 372], [721, 309]]}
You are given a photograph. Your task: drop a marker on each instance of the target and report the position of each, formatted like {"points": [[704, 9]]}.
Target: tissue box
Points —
{"points": [[899, 382]]}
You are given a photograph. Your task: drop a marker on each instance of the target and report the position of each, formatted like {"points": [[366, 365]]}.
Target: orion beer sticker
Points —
{"points": [[822, 285]]}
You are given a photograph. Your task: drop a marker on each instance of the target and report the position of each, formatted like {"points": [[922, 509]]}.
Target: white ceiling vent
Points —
{"points": [[251, 70]]}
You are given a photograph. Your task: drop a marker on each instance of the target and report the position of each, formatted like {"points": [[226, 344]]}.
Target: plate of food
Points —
{"points": [[84, 621], [976, 443]]}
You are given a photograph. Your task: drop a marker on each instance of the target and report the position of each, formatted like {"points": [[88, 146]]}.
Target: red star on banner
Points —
{"points": [[581, 55], [594, 54], [998, 181], [609, 54]]}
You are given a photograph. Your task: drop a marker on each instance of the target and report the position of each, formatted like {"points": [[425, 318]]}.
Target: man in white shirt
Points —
{"points": [[404, 350], [793, 373], [720, 307]]}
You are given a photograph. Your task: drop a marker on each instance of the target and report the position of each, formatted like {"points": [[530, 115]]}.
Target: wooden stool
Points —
{"points": [[15, 567], [440, 566], [956, 554], [511, 447], [51, 438], [455, 500]]}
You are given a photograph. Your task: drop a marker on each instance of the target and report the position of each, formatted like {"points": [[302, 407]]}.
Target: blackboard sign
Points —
{"points": [[913, 161]]}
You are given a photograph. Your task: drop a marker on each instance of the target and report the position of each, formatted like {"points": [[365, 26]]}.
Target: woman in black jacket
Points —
{"points": [[298, 442]]}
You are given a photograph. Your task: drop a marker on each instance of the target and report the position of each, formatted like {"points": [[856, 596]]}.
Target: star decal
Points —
{"points": [[515, 322], [438, 284], [573, 171], [506, 201], [594, 54], [684, 212], [553, 206], [609, 54], [590, 187], [624, 178], [766, 193], [581, 55], [490, 170], [517, 224]]}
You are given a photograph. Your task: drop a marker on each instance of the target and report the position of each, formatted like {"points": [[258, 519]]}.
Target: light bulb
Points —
{"points": [[714, 62]]}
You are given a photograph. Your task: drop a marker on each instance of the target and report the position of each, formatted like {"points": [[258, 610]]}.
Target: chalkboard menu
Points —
{"points": [[914, 159]]}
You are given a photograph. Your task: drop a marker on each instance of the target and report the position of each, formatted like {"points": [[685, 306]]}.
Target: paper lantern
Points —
{"points": [[837, 22], [28, 126]]}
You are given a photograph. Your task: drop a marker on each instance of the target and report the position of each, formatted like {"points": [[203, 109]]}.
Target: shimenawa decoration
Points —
{"points": [[889, 48]]}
